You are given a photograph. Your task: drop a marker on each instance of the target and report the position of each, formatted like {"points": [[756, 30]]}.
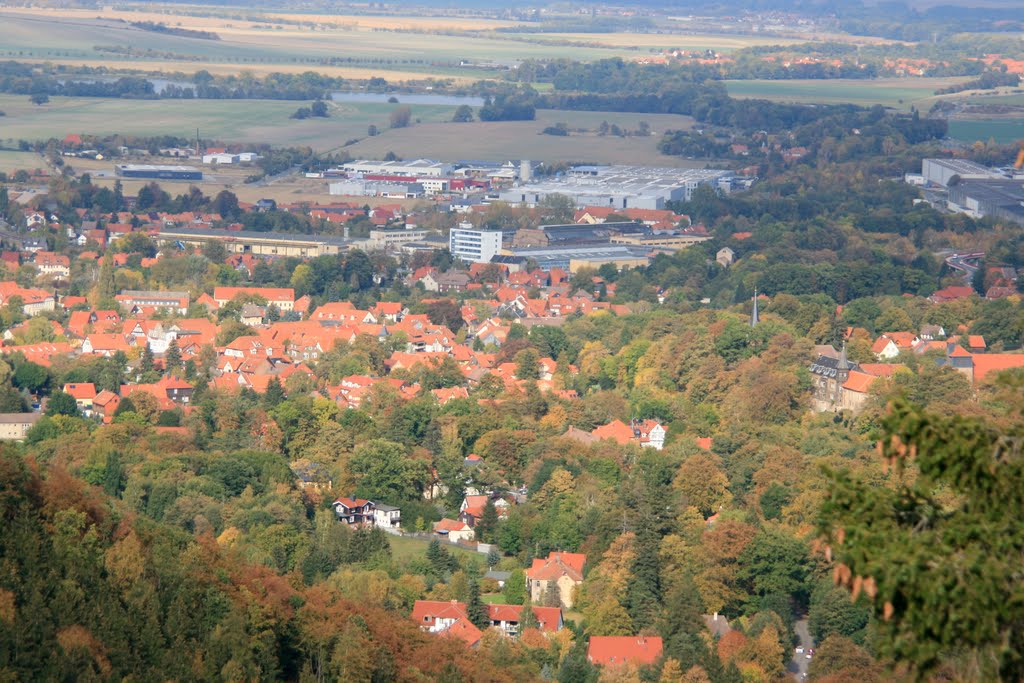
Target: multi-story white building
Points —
{"points": [[473, 244]]}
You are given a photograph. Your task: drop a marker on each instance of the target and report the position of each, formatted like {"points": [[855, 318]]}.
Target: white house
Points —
{"points": [[387, 516]]}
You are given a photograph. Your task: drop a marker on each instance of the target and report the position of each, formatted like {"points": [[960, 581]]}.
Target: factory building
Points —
{"points": [[619, 187], [941, 171], [148, 172], [266, 244], [425, 168]]}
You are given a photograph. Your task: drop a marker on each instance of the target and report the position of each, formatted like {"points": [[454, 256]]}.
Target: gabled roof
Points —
{"points": [[618, 431], [556, 565], [858, 382], [349, 503], [81, 391]]}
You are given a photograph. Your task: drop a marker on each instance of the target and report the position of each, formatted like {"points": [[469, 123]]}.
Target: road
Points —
{"points": [[797, 666], [965, 263]]}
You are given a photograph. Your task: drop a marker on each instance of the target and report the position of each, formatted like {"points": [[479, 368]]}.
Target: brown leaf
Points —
{"points": [[887, 611], [870, 587], [858, 583]]}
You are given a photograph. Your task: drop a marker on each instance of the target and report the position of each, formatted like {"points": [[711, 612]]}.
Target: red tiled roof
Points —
{"points": [[613, 650], [618, 431], [858, 381], [992, 363], [556, 565]]}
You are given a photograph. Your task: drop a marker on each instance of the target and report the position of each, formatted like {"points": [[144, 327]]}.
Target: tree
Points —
{"points": [[702, 483], [60, 403], [775, 562], [384, 472], [400, 117], [146, 359], [31, 377], [319, 108], [172, 357], [832, 612], [226, 204], [941, 547], [463, 114], [39, 98], [488, 523], [527, 364], [371, 130], [478, 613], [514, 589]]}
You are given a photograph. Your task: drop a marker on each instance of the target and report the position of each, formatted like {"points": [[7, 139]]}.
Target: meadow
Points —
{"points": [[11, 161], [510, 140], [897, 93], [1003, 131], [244, 121]]}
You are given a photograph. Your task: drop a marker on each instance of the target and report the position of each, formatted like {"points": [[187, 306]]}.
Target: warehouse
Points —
{"points": [[941, 171], [419, 168], [572, 258], [147, 172], [267, 244], [620, 187]]}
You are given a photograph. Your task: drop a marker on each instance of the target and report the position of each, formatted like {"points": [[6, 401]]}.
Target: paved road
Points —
{"points": [[797, 666], [965, 263]]}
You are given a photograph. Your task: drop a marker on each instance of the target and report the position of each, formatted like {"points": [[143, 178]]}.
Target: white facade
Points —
{"points": [[474, 245], [387, 517], [222, 158]]}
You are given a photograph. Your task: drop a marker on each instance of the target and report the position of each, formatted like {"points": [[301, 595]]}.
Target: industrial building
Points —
{"points": [[1002, 198], [620, 187], [418, 168], [358, 187], [941, 171], [572, 258], [148, 172], [473, 244], [268, 244]]}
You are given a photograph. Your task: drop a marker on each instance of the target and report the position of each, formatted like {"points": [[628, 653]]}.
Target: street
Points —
{"points": [[799, 663]]}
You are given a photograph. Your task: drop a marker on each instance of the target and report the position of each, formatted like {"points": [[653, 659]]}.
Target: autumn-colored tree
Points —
{"points": [[702, 484]]}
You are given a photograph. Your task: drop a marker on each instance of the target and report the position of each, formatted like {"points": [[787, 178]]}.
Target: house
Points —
{"points": [[49, 263], [252, 315], [105, 404], [354, 511], [446, 618], [14, 426], [650, 433], [387, 516], [560, 573], [890, 344], [616, 650], [951, 294], [506, 618], [310, 475], [175, 302], [84, 394], [454, 530], [725, 257], [932, 332], [282, 297]]}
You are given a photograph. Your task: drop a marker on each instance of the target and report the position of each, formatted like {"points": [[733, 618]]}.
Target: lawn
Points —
{"points": [[241, 121], [1002, 131], [405, 548], [898, 93]]}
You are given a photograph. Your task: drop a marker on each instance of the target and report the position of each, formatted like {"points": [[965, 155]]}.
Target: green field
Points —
{"points": [[81, 40], [1002, 131], [898, 93], [17, 161], [405, 548], [245, 121], [509, 140]]}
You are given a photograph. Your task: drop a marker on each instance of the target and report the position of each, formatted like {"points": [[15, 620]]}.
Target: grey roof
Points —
{"points": [[171, 233], [829, 367], [386, 508], [498, 576], [19, 418]]}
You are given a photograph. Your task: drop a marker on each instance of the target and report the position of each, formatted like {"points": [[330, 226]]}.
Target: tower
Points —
{"points": [[754, 317]]}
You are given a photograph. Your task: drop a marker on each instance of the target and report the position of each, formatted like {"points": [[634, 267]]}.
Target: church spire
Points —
{"points": [[754, 317], [843, 363]]}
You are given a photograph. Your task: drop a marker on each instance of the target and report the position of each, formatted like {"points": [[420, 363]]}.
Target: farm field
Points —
{"points": [[1003, 131], [505, 140], [648, 41], [246, 121], [898, 93], [90, 41], [11, 161]]}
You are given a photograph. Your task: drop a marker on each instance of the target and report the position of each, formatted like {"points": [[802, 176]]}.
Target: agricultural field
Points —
{"points": [[11, 161], [898, 93], [1003, 131], [660, 41], [110, 41], [244, 121], [523, 140]]}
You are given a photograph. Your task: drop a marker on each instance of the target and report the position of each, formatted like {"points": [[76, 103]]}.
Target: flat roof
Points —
{"points": [[241, 235], [154, 167], [963, 166]]}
